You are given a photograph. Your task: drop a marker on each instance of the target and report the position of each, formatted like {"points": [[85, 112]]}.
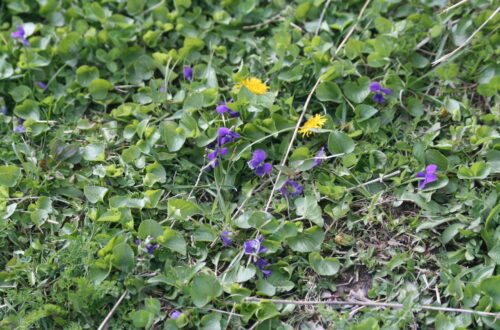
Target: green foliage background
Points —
{"points": [[108, 158]]}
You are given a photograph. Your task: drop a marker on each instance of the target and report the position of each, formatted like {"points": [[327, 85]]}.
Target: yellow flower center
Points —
{"points": [[317, 121], [254, 85]]}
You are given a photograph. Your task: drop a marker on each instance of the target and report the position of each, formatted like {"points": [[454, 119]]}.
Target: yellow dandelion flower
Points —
{"points": [[317, 121], [254, 85]]}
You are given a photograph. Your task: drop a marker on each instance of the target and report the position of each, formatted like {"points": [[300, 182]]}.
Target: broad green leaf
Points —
{"points": [[478, 170], [113, 215], [28, 110], [150, 228], [86, 74], [435, 157], [99, 88], [174, 137], [142, 318], [369, 324], [131, 154], [173, 240], [265, 288], [329, 91], [204, 288], [491, 287], [123, 257], [93, 152], [6, 69], [323, 266], [443, 323], [266, 311], [94, 194], [364, 112], [308, 208], [308, 240], [9, 175], [181, 209], [339, 142], [357, 91], [415, 107], [20, 93]]}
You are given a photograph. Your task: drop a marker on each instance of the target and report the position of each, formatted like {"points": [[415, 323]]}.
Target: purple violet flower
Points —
{"points": [[4, 110], [20, 128], [188, 73], [225, 236], [379, 92], [254, 246], [258, 157], [212, 156], [257, 163], [226, 135], [291, 188], [428, 176], [41, 85], [175, 314], [223, 108], [19, 34], [138, 242], [262, 264], [264, 169], [318, 159], [162, 89], [151, 248]]}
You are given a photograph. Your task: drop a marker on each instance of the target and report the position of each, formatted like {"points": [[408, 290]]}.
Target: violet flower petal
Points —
{"points": [[175, 314], [431, 169], [266, 272], [188, 73], [379, 98], [258, 157], [386, 91], [375, 87]]}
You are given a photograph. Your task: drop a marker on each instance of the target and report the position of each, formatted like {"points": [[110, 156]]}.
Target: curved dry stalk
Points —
{"points": [[112, 311], [373, 304], [322, 16], [453, 6], [447, 56]]}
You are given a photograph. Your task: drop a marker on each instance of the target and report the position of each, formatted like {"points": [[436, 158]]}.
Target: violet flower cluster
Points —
{"points": [[225, 135], [223, 108], [257, 163], [255, 247], [319, 157], [379, 92], [188, 73], [175, 314], [428, 176], [19, 34], [20, 127], [225, 236], [291, 188], [149, 247]]}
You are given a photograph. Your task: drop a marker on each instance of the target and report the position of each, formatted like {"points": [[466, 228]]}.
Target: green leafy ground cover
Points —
{"points": [[111, 150]]}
